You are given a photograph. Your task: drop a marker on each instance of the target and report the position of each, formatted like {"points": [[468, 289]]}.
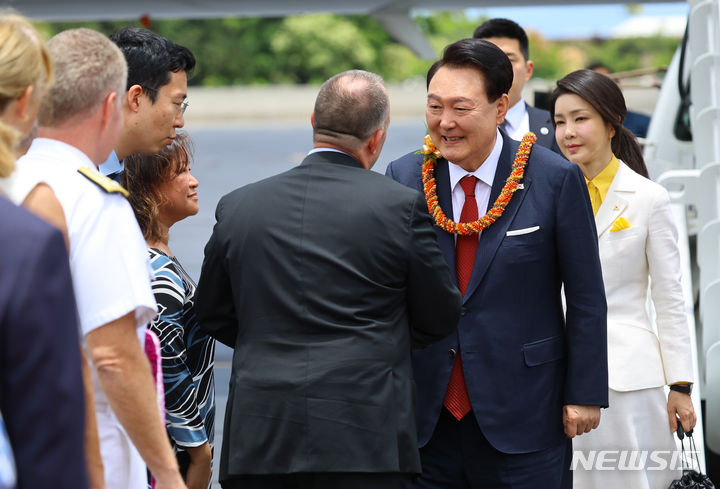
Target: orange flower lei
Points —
{"points": [[511, 184]]}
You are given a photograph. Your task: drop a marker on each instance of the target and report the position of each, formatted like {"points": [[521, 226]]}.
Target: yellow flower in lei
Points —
{"points": [[429, 147], [511, 185]]}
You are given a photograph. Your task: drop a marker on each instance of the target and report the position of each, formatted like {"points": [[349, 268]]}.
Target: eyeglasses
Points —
{"points": [[182, 107]]}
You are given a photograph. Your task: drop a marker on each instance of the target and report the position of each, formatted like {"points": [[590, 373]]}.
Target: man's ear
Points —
{"points": [[312, 119], [373, 143], [529, 67], [503, 104], [108, 109], [132, 97]]}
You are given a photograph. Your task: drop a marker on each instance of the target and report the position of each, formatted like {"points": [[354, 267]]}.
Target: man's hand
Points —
{"points": [[580, 419], [199, 471], [680, 404]]}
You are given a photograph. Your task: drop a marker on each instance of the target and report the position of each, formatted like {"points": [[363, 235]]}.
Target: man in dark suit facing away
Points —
{"points": [[499, 401], [322, 278]]}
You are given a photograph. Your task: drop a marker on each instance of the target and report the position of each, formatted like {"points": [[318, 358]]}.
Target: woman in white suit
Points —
{"points": [[638, 247]]}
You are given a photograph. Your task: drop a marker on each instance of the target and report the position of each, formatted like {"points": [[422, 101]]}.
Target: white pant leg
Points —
{"points": [[124, 468]]}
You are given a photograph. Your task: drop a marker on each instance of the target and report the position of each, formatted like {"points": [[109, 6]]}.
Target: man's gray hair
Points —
{"points": [[349, 108], [88, 66]]}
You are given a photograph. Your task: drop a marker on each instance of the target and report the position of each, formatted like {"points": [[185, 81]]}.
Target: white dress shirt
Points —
{"points": [[485, 175], [517, 120]]}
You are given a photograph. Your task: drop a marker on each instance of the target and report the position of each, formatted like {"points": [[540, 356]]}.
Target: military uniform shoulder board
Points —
{"points": [[107, 184]]}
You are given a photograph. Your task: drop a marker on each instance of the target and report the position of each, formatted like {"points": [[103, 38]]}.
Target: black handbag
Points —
{"points": [[691, 478]]}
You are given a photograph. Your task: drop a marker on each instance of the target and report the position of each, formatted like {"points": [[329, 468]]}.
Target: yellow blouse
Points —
{"points": [[598, 187]]}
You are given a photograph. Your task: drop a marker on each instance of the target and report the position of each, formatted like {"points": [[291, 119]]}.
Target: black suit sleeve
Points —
{"points": [[433, 300], [214, 297], [42, 390]]}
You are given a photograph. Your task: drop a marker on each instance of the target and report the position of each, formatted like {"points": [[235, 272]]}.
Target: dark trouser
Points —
{"points": [[458, 456], [321, 480]]}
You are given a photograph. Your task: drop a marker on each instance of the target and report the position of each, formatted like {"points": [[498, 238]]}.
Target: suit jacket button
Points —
{"points": [[452, 352], [463, 311]]}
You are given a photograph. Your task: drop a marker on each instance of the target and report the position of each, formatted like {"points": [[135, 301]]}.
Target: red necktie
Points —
{"points": [[456, 396]]}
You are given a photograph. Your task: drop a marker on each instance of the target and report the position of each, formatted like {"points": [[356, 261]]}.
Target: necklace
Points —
{"points": [[511, 185]]}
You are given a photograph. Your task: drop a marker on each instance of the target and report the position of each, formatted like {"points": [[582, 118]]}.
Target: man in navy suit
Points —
{"points": [[41, 391], [498, 402], [521, 117]]}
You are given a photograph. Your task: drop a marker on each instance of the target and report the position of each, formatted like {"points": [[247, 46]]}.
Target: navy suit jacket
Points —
{"points": [[41, 392], [637, 123], [522, 359], [541, 124]]}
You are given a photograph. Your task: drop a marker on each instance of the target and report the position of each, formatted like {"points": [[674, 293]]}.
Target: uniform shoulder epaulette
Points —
{"points": [[107, 184]]}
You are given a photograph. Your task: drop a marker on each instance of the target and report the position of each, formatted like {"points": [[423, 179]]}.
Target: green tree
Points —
{"points": [[547, 58], [229, 51], [629, 54], [443, 28], [311, 48], [634, 8]]}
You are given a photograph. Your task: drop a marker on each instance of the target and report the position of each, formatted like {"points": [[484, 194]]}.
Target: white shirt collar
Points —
{"points": [[515, 115], [111, 165], [486, 171], [321, 149]]}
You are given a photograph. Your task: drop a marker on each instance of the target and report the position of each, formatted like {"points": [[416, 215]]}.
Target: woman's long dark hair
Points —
{"points": [[605, 97], [143, 175]]}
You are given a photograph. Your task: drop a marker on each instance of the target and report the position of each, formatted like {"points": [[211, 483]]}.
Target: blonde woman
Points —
{"points": [[25, 72], [638, 246]]}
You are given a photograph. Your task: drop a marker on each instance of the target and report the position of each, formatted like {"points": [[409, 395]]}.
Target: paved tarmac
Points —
{"points": [[282, 103]]}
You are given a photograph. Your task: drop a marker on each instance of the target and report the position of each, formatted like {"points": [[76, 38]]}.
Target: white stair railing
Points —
{"points": [[704, 62]]}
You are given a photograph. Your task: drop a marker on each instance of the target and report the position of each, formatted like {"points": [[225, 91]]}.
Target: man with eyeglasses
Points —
{"points": [[155, 100]]}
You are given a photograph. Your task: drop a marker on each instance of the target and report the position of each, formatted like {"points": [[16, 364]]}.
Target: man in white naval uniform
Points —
{"points": [[80, 121]]}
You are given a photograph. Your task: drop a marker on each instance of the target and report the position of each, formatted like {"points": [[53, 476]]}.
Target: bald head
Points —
{"points": [[350, 107]]}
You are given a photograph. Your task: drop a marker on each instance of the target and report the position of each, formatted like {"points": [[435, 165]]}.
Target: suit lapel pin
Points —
{"points": [[520, 186], [544, 131]]}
